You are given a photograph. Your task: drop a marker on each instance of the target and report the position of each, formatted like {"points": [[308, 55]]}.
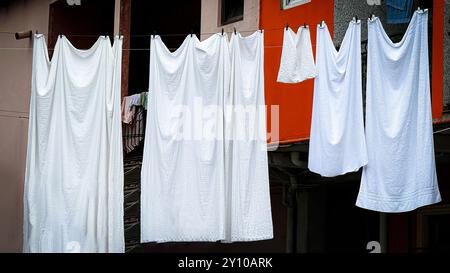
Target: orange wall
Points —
{"points": [[437, 70], [294, 100]]}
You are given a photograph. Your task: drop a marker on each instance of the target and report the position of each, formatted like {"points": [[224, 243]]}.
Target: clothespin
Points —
{"points": [[234, 30], [192, 32], [321, 23], [154, 34], [356, 19], [222, 31], [287, 26], [304, 25]]}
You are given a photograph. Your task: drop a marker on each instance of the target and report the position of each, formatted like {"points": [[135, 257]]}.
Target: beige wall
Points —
{"points": [[210, 21], [15, 80], [15, 86]]}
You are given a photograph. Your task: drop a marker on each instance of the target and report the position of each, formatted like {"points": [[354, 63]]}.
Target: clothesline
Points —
{"points": [[13, 111], [140, 36], [124, 49], [165, 35], [11, 116]]}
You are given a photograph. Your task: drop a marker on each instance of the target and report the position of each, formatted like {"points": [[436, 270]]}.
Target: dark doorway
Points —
{"points": [[172, 20], [82, 24]]}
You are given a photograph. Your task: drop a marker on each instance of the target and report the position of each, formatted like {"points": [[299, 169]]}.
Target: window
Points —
{"points": [[287, 4], [231, 11], [98, 19]]}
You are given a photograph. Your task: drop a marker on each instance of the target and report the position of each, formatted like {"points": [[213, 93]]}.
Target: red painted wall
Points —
{"points": [[437, 78], [294, 100]]}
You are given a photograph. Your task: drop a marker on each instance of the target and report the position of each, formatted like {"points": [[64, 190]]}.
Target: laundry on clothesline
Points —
{"points": [[183, 175], [398, 11], [144, 100], [401, 173], [133, 118], [337, 143], [297, 60], [133, 133], [128, 107], [205, 171], [129, 104], [73, 196], [246, 173], [199, 179]]}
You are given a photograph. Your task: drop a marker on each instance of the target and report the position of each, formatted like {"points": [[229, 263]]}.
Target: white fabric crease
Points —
{"points": [[401, 174], [297, 59], [74, 175], [337, 142], [247, 176], [182, 177]]}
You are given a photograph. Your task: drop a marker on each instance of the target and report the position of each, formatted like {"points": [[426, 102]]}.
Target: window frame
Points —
{"points": [[288, 4], [232, 19]]}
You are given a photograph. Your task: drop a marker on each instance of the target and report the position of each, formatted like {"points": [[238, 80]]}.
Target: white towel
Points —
{"points": [[337, 142], [297, 60], [74, 173], [401, 174], [183, 166], [247, 174]]}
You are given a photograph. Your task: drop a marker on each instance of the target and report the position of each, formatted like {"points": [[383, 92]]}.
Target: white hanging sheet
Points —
{"points": [[401, 174], [74, 173], [337, 142], [183, 167], [297, 60], [247, 175]]}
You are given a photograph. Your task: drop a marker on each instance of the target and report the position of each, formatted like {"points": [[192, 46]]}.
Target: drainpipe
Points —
{"points": [[302, 221], [383, 232], [295, 159], [300, 210], [289, 202]]}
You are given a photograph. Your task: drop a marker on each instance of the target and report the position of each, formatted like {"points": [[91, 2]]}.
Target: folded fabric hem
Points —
{"points": [[345, 171], [418, 200], [311, 76], [247, 239], [182, 240]]}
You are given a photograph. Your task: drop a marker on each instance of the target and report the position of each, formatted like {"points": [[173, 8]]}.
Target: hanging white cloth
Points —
{"points": [[337, 142], [401, 174], [183, 166], [297, 60], [247, 175], [74, 175]]}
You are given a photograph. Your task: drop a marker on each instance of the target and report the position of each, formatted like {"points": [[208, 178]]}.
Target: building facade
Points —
{"points": [[311, 214]]}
